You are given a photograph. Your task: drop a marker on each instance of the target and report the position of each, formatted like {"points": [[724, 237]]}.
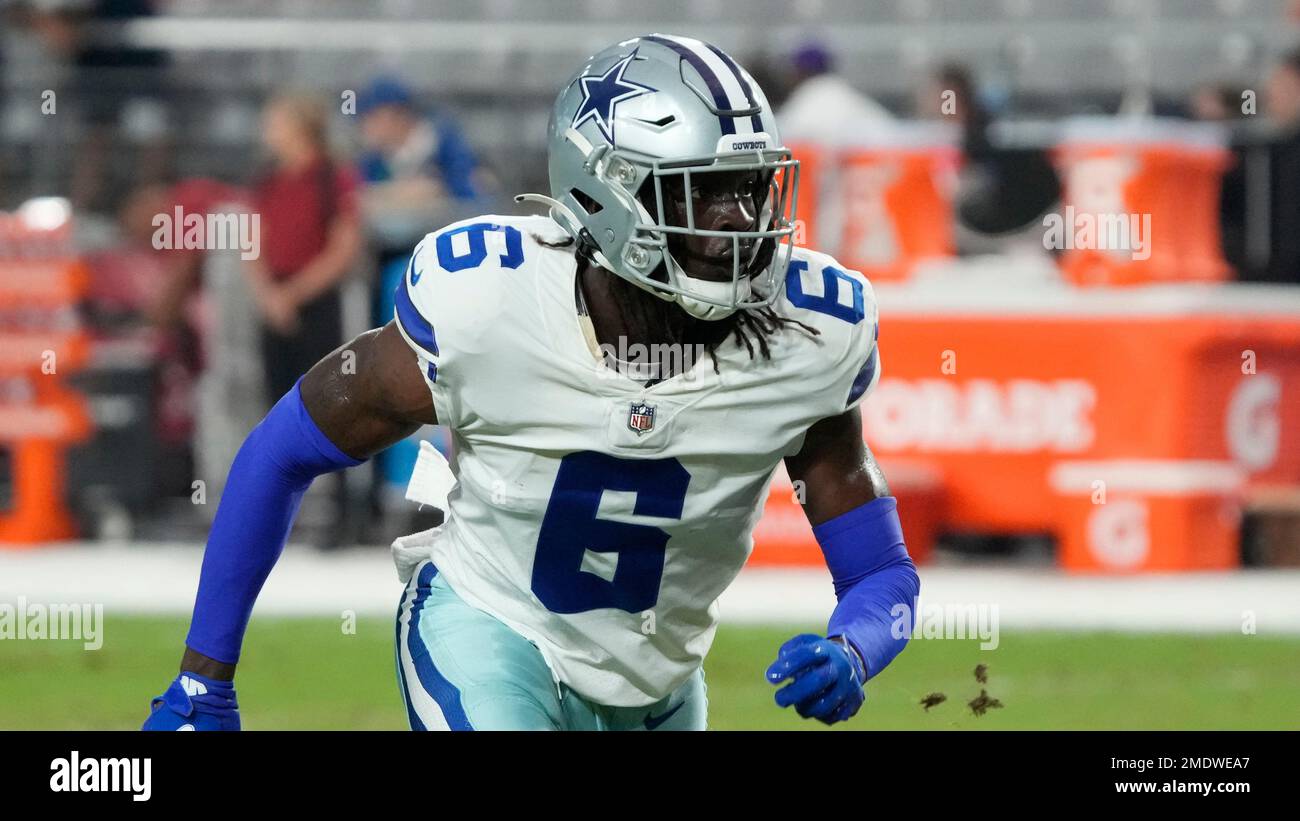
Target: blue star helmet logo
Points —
{"points": [[602, 93]]}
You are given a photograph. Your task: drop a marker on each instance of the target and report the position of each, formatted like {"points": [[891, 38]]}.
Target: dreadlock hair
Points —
{"points": [[762, 323], [753, 328]]}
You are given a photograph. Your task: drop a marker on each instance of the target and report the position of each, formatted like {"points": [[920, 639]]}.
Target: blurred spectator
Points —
{"points": [[410, 158], [950, 94], [1217, 103], [1282, 93], [1002, 188], [1214, 103], [310, 240], [178, 303], [311, 237], [149, 297], [1282, 107], [419, 174], [823, 105], [136, 284]]}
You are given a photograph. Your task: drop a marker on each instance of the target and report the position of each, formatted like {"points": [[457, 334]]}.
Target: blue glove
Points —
{"points": [[195, 702], [828, 677]]}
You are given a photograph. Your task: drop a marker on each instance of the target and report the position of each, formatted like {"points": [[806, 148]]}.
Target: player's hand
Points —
{"points": [[195, 702], [827, 678]]}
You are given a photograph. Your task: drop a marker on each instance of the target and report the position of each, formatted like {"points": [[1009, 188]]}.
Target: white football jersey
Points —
{"points": [[599, 518]]}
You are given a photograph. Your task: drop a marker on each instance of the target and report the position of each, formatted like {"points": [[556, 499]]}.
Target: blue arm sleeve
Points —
{"points": [[267, 480], [875, 581]]}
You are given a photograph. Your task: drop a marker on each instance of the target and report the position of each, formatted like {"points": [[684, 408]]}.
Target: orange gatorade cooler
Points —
{"points": [[896, 199], [1140, 201], [883, 202], [1148, 515], [41, 417]]}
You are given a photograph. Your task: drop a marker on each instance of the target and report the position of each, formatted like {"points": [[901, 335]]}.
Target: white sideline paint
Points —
{"points": [[161, 579]]}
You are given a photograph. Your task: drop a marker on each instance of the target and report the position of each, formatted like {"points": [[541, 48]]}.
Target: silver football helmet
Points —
{"points": [[657, 113]]}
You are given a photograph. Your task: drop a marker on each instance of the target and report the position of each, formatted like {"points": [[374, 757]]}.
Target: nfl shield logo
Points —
{"points": [[641, 418]]}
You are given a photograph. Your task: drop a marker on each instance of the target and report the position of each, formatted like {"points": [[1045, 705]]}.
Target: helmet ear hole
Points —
{"points": [[646, 194], [588, 204]]}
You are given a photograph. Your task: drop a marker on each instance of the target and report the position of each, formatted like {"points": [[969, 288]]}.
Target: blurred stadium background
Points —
{"points": [[1095, 440]]}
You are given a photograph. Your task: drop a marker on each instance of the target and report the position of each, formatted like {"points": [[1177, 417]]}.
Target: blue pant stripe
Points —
{"points": [[411, 716], [435, 684]]}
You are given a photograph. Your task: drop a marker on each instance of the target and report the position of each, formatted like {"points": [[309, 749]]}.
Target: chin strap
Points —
{"points": [[715, 290]]}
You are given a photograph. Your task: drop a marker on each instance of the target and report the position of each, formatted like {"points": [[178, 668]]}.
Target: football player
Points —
{"points": [[600, 507]]}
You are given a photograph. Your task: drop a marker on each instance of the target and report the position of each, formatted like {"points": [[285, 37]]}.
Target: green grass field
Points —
{"points": [[307, 674]]}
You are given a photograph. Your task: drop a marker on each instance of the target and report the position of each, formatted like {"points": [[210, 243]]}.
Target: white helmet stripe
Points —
{"points": [[756, 120], [735, 94]]}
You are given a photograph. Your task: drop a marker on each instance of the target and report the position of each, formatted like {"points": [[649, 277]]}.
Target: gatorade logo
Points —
{"points": [[1016, 416], [1252, 427], [1119, 534]]}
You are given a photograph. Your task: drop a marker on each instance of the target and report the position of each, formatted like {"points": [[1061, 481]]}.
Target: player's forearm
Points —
{"points": [[868, 614], [267, 480], [348, 413], [873, 577]]}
